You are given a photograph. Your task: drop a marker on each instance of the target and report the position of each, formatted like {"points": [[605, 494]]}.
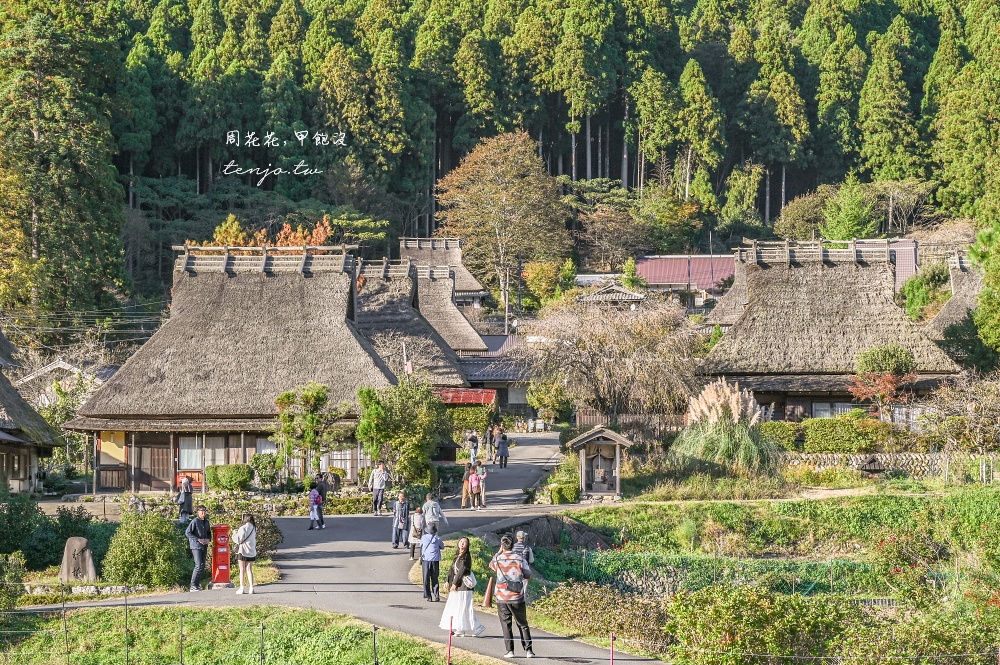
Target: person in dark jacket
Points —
{"points": [[199, 535], [400, 519], [503, 450], [430, 561], [184, 499], [321, 488]]}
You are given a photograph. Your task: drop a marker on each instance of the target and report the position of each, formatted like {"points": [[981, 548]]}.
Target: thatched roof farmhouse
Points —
{"points": [[386, 316], [24, 435], [436, 301], [244, 327], [445, 252], [805, 322], [966, 283]]}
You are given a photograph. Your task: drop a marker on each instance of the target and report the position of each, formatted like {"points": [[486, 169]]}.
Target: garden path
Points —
{"points": [[350, 568]]}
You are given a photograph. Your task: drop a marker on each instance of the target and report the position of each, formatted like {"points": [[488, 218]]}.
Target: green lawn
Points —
{"points": [[229, 636]]}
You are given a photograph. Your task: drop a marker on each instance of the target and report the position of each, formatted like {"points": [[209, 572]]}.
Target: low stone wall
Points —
{"points": [[917, 465], [545, 531]]}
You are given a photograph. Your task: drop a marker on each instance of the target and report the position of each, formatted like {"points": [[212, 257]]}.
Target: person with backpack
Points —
{"points": [[473, 444], [475, 489], [315, 501], [321, 488], [511, 572], [400, 516]]}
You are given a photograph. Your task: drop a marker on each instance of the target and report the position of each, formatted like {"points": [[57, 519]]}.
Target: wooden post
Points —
{"points": [[618, 468], [133, 462], [173, 460], [204, 446], [583, 469], [243, 446], [97, 461]]}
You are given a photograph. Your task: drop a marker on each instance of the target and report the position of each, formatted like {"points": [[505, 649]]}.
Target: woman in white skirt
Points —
{"points": [[458, 615]]}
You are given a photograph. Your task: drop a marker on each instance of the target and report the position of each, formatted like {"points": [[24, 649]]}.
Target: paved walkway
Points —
{"points": [[350, 568]]}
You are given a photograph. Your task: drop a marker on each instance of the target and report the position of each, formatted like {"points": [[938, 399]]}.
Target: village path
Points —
{"points": [[351, 568]]}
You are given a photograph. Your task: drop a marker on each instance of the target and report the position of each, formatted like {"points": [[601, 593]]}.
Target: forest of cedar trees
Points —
{"points": [[721, 119]]}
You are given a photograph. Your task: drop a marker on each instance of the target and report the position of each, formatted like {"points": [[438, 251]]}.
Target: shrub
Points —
{"points": [[148, 549], [887, 358], [265, 465], [12, 568], [907, 561], [784, 435], [348, 505], [43, 547], [832, 477], [470, 417], [565, 493], [598, 610], [567, 435], [231, 477], [100, 533], [734, 446], [850, 433], [337, 471], [926, 291], [751, 620], [212, 476], [19, 515]]}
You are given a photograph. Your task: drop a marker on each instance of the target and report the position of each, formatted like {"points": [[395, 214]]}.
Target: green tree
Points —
{"points": [[308, 426], [402, 426], [841, 75], [505, 207], [57, 144], [849, 214], [206, 31], [986, 253], [136, 122], [701, 123], [288, 31], [890, 139]]}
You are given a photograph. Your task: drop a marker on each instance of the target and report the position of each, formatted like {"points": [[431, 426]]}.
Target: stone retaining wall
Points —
{"points": [[917, 465]]}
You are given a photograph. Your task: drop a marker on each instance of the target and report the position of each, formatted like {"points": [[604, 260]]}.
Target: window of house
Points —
{"points": [[16, 468], [215, 450], [3, 466], [822, 410], [265, 445], [840, 408], [190, 457]]}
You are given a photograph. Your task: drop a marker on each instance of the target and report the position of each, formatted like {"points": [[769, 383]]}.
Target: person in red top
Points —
{"points": [[512, 571]]}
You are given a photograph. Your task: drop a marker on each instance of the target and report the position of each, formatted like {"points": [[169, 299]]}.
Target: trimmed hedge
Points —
{"points": [[783, 434], [848, 434], [229, 477]]}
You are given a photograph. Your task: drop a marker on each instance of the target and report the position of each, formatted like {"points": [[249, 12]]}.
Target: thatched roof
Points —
{"points": [[437, 252], [7, 351], [612, 294], [495, 370], [966, 283], [20, 422], [386, 316], [238, 335], [730, 304], [815, 317], [436, 302]]}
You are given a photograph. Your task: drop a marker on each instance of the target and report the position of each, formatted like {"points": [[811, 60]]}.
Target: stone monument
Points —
{"points": [[77, 562]]}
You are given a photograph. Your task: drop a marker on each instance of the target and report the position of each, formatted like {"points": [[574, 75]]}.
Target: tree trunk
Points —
{"points": [[211, 174], [600, 151], [590, 160], [640, 164], [572, 157], [607, 148], [890, 214], [131, 179], [197, 170], [539, 143], [625, 150], [767, 195], [506, 303], [687, 175], [783, 169]]}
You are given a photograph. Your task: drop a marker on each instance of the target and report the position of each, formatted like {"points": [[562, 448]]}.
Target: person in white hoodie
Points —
{"points": [[245, 541]]}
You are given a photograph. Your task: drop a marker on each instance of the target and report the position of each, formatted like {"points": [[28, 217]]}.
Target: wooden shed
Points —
{"points": [[600, 452]]}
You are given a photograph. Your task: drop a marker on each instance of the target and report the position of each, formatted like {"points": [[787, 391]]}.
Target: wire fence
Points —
{"points": [[60, 633]]}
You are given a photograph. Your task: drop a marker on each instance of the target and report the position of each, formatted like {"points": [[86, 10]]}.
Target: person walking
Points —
{"points": [[503, 450], [465, 486], [315, 501], [430, 562], [245, 540], [376, 483], [322, 489], [490, 440], [433, 514], [199, 535], [482, 485], [473, 443], [416, 531], [474, 487], [400, 517], [511, 571], [521, 547], [185, 495], [459, 616]]}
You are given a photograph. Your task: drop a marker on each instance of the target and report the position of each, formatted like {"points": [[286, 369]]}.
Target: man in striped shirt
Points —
{"points": [[512, 571]]}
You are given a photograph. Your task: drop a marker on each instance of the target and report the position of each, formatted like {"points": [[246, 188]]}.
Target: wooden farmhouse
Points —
{"points": [[249, 323], [25, 437], [808, 312]]}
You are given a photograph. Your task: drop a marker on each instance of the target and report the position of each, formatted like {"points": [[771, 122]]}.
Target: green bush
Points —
{"points": [[337, 471], [566, 493], [470, 417], [148, 549], [348, 505], [12, 568], [100, 533], [887, 358], [229, 477], [43, 547], [925, 291], [19, 515], [265, 465], [847, 434], [567, 435], [734, 447], [784, 435]]}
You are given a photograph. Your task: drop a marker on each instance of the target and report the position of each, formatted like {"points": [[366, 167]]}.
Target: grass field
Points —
{"points": [[230, 636]]}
